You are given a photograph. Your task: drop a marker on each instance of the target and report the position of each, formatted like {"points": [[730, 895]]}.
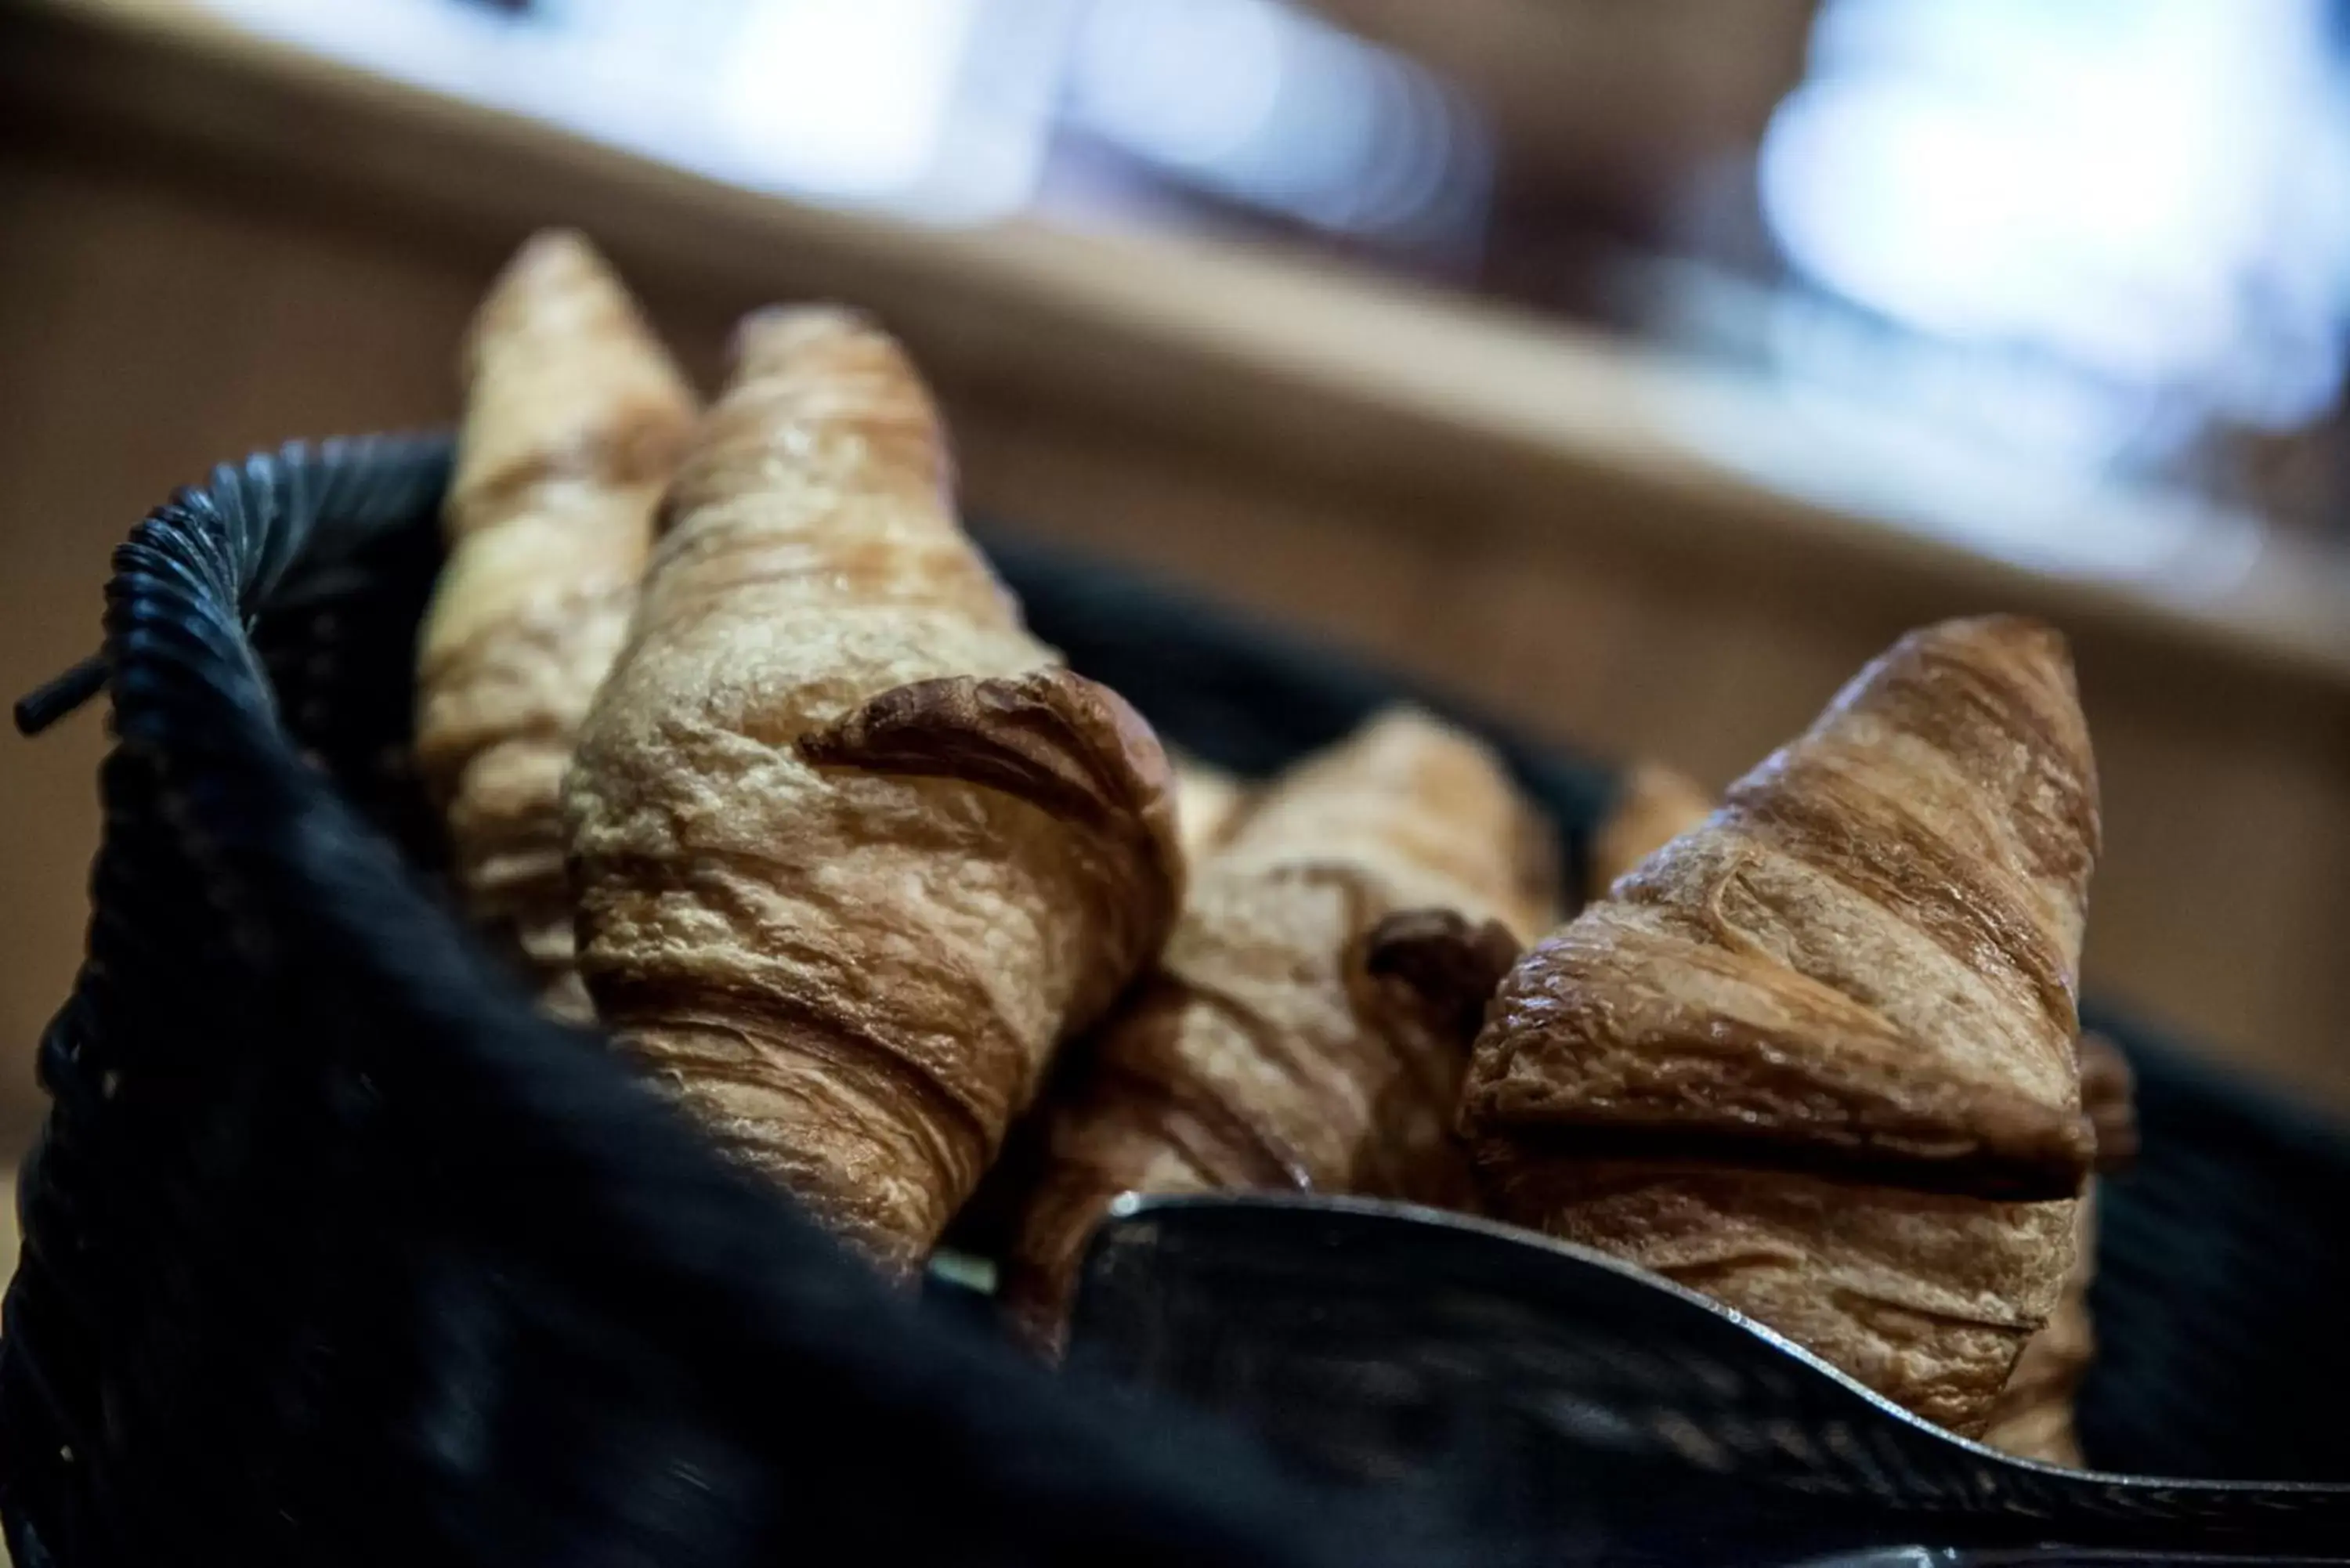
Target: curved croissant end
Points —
{"points": [[1069, 746]]}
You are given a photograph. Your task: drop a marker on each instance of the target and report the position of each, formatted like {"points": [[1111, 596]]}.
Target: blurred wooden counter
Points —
{"points": [[213, 243]]}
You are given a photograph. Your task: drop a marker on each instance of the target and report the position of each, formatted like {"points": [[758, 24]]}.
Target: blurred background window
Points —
{"points": [[2042, 248], [959, 111], [2117, 229]]}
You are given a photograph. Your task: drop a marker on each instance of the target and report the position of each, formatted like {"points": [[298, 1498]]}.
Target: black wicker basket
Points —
{"points": [[335, 1252]]}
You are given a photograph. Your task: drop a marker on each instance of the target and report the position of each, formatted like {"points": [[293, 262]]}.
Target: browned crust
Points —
{"points": [[1817, 1055], [1313, 1014], [1870, 952]]}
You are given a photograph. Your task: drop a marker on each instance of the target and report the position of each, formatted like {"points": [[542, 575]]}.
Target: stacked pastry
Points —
{"points": [[844, 858], [846, 851], [850, 855]]}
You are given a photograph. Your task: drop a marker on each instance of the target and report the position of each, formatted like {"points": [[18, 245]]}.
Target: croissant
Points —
{"points": [[2032, 1418], [1311, 1016], [853, 850], [1815, 1057], [574, 419], [1654, 805]]}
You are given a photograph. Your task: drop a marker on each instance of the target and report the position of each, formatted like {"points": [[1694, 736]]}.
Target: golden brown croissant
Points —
{"points": [[2032, 1418], [1815, 1057], [1311, 1017], [575, 419], [1655, 805], [854, 852]]}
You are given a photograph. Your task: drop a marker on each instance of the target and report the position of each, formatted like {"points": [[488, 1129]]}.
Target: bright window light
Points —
{"points": [[2154, 193]]}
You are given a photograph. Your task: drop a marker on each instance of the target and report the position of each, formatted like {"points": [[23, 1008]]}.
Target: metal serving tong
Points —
{"points": [[1563, 1407]]}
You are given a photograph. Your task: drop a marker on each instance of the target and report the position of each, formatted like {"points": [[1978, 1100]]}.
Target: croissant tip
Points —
{"points": [[1405, 719], [556, 280], [551, 261], [1404, 731], [557, 246], [2005, 636], [774, 335]]}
